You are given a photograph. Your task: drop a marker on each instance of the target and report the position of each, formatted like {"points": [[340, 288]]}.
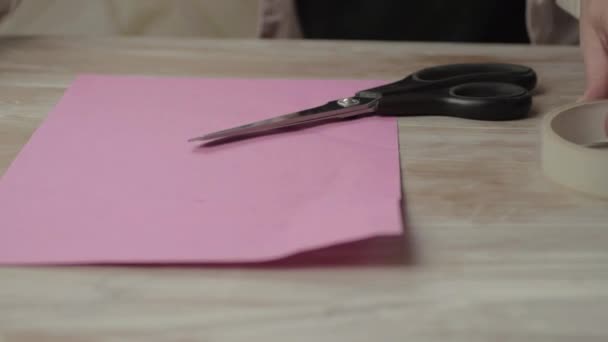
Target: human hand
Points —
{"points": [[594, 44]]}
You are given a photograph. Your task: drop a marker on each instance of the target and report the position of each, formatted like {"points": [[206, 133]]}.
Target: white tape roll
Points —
{"points": [[567, 158]]}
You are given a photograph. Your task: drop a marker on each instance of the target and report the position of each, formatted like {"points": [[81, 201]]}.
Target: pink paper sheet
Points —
{"points": [[110, 178]]}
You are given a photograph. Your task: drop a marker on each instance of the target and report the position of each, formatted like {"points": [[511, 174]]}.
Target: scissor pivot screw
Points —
{"points": [[347, 102]]}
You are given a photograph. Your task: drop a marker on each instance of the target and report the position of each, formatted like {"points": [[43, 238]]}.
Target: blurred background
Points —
{"points": [[492, 21], [206, 18]]}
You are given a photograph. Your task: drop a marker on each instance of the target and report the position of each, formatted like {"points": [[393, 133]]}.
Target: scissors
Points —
{"points": [[477, 91]]}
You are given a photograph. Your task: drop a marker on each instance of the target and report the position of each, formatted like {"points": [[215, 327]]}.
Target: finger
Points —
{"points": [[596, 64]]}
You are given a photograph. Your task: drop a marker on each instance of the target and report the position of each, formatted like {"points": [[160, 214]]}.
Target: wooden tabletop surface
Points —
{"points": [[495, 251]]}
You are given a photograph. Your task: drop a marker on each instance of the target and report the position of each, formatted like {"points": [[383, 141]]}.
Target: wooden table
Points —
{"points": [[496, 251]]}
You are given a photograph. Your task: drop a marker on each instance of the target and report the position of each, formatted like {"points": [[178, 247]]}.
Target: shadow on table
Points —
{"points": [[380, 251]]}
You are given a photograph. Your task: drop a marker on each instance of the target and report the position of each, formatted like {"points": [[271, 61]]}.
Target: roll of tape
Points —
{"points": [[567, 156]]}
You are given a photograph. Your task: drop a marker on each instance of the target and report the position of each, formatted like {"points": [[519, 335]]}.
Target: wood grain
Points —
{"points": [[496, 252]]}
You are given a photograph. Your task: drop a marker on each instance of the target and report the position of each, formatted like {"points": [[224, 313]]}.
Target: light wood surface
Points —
{"points": [[493, 250]]}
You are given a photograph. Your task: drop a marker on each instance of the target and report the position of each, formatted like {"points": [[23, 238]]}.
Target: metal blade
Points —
{"points": [[335, 109]]}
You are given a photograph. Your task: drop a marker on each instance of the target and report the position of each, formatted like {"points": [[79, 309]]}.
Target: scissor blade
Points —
{"points": [[333, 109]]}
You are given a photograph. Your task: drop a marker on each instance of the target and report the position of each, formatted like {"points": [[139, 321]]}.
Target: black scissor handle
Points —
{"points": [[478, 72], [489, 101], [454, 74]]}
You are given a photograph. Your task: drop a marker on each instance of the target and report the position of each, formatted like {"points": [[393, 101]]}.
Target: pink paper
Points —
{"points": [[109, 177]]}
